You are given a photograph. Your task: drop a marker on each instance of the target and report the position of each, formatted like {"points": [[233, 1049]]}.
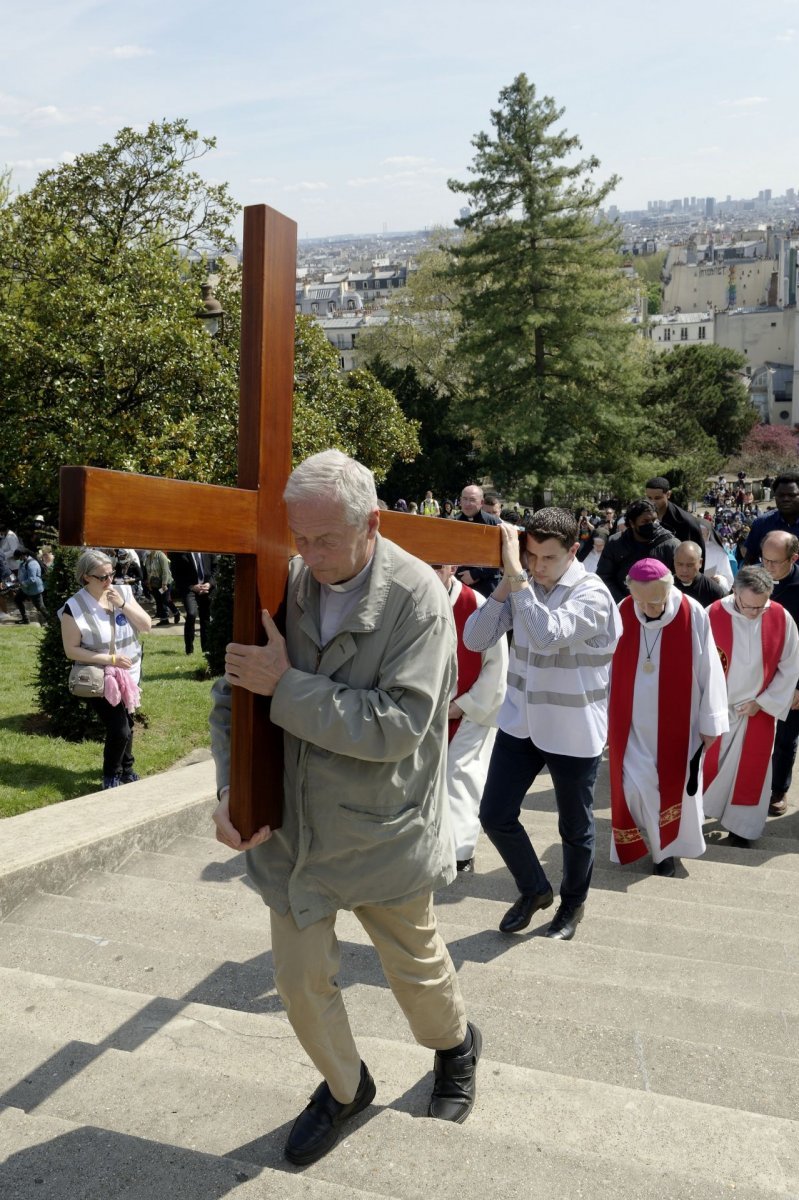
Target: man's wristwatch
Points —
{"points": [[517, 578]]}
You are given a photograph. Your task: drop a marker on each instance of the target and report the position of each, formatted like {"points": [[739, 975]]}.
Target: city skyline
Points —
{"points": [[353, 120]]}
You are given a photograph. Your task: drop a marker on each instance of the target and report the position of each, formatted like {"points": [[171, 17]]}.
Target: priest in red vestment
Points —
{"points": [[476, 701], [758, 646], [667, 703]]}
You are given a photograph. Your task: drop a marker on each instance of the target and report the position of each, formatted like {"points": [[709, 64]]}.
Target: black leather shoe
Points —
{"points": [[318, 1126], [465, 866], [565, 922], [665, 867], [740, 843], [455, 1084], [520, 914]]}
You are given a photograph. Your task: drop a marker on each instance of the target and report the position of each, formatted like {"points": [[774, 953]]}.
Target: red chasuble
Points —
{"points": [[759, 736], [675, 681], [470, 662]]}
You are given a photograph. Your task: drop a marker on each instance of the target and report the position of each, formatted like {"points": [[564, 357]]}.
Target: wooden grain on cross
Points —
{"points": [[100, 507]]}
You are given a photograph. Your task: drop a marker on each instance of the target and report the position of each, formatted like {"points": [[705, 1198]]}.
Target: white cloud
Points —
{"points": [[11, 106], [129, 51], [788, 35], [263, 179], [405, 160], [31, 164], [307, 185], [47, 114], [400, 177], [746, 102]]}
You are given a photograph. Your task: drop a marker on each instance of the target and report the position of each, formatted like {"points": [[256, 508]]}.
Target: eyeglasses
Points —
{"points": [[102, 578], [750, 607]]}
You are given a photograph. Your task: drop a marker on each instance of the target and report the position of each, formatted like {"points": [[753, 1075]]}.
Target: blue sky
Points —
{"points": [[351, 117]]}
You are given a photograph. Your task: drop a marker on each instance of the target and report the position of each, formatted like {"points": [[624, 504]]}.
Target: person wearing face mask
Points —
{"points": [[759, 648], [643, 537]]}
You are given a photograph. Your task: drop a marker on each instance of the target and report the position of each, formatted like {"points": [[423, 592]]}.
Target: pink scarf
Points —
{"points": [[119, 686]]}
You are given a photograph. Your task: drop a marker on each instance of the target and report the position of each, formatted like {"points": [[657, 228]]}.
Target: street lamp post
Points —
{"points": [[211, 313]]}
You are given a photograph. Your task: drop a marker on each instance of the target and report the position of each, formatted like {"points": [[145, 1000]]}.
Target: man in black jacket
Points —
{"points": [[779, 551], [682, 524], [643, 537], [482, 579], [194, 579], [690, 580]]}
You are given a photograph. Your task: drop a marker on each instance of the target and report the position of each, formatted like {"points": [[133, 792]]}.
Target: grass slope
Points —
{"points": [[36, 769]]}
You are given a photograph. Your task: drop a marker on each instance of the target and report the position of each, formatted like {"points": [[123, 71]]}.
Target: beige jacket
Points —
{"points": [[366, 818]]}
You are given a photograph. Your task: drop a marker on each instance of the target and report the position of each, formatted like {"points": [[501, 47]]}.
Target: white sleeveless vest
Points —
{"points": [[94, 623]]}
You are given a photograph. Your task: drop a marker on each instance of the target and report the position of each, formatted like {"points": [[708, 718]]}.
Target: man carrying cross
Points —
{"points": [[360, 687]]}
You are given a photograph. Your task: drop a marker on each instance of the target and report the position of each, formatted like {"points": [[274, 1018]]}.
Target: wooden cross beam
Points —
{"points": [[100, 507]]}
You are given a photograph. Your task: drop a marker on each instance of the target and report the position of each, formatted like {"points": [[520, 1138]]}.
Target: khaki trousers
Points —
{"points": [[417, 967]]}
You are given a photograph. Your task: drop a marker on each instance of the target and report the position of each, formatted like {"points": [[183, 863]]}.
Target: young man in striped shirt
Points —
{"points": [[565, 629]]}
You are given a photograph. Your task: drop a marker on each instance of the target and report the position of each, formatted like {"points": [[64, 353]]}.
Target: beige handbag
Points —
{"points": [[86, 681]]}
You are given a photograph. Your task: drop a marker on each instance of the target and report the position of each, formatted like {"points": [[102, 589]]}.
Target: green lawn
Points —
{"points": [[36, 769]]}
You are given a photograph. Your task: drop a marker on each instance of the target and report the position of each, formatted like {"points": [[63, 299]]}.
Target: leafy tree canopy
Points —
{"points": [[767, 449], [697, 412], [102, 359]]}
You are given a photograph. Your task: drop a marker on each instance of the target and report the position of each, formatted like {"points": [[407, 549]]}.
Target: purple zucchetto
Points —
{"points": [[647, 570]]}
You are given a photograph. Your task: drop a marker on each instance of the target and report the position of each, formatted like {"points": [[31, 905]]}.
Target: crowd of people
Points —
{"points": [[418, 706]]}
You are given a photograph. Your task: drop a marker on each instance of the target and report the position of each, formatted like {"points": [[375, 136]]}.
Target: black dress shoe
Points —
{"points": [[740, 843], [565, 922], [465, 866], [520, 914], [318, 1126], [455, 1084], [665, 867]]}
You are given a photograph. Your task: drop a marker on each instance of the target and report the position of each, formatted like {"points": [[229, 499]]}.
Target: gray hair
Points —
{"points": [[693, 546], [89, 561], [338, 477], [755, 579]]}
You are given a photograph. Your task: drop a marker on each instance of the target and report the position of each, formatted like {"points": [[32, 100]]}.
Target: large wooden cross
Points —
{"points": [[100, 507]]}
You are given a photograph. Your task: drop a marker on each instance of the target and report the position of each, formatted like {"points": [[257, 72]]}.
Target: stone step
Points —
{"points": [[544, 981], [636, 1056], [244, 939], [719, 877], [47, 1158], [520, 1114]]}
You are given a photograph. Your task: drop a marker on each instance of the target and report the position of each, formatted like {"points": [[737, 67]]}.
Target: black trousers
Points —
{"points": [[198, 608], [118, 749], [164, 604], [782, 759], [36, 601]]}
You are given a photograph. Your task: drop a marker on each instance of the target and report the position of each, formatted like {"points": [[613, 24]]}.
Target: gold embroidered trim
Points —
{"points": [[670, 814], [625, 837]]}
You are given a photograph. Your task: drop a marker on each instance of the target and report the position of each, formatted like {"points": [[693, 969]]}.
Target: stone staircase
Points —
{"points": [[145, 1054]]}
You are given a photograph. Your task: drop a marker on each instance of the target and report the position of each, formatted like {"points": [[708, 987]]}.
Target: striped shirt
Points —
{"points": [[559, 669]]}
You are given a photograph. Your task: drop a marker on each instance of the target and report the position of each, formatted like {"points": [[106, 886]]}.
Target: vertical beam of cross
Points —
{"points": [[266, 392]]}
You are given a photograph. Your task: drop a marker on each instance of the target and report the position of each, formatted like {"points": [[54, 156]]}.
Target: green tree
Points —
{"points": [[353, 413], [447, 459], [697, 414], [101, 358], [421, 326], [543, 339]]}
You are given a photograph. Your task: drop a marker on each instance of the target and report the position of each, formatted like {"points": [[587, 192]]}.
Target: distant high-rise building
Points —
{"points": [[710, 206], [767, 195], [686, 203], [790, 195]]}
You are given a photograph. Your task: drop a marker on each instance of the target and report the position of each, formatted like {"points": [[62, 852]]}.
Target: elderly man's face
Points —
{"points": [[471, 499], [686, 564], [333, 550], [776, 559], [651, 597], [750, 604]]}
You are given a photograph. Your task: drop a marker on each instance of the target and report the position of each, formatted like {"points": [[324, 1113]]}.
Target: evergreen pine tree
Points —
{"points": [[542, 304]]}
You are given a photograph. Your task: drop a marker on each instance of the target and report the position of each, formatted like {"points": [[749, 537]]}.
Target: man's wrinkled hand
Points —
{"points": [[226, 832], [259, 669]]}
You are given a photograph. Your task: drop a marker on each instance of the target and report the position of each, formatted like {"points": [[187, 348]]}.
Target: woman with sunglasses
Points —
{"points": [[100, 625]]}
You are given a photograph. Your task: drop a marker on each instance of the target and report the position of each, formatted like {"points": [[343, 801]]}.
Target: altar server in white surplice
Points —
{"points": [[477, 699], [758, 645], [667, 703]]}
